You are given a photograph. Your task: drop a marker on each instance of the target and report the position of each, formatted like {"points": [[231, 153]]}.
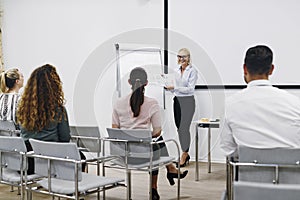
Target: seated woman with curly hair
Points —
{"points": [[41, 112]]}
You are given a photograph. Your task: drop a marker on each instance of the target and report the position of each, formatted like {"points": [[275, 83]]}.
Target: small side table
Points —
{"points": [[209, 125]]}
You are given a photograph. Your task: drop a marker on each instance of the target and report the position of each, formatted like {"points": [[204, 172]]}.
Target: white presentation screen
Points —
{"points": [[226, 29]]}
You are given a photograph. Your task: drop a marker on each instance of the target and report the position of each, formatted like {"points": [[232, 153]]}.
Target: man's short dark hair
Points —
{"points": [[259, 59]]}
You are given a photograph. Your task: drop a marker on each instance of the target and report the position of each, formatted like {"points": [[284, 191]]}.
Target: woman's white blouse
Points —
{"points": [[185, 83]]}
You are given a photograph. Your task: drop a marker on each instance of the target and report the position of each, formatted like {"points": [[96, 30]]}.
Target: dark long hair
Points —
{"points": [[138, 80]]}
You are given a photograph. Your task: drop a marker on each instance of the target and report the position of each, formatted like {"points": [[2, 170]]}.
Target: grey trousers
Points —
{"points": [[184, 109]]}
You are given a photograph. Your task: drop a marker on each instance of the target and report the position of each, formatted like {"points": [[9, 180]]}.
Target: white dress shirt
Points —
{"points": [[261, 116], [185, 83]]}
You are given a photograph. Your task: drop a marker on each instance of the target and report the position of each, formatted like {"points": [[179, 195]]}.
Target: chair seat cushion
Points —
{"points": [[156, 163], [14, 176], [252, 190], [89, 181]]}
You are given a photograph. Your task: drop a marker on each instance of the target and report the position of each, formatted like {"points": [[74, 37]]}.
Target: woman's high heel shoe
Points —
{"points": [[171, 176], [155, 195], [186, 162]]}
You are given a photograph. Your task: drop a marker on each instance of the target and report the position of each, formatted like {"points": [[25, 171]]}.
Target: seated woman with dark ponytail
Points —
{"points": [[137, 111]]}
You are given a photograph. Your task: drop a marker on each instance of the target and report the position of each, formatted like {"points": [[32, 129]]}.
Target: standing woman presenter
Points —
{"points": [[184, 102]]}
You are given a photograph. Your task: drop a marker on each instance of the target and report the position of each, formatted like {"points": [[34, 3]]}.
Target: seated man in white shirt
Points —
{"points": [[260, 116]]}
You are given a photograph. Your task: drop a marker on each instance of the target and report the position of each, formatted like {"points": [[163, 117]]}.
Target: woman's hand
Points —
{"points": [[156, 132], [169, 87], [115, 126]]}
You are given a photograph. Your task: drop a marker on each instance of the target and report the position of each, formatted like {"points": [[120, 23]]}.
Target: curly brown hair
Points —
{"points": [[42, 100]]}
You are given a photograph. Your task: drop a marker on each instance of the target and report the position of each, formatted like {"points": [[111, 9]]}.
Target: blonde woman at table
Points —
{"points": [[137, 111], [184, 102]]}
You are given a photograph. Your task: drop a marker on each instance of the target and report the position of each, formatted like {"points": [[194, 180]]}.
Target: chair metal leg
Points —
{"points": [[19, 190], [150, 185], [11, 188], [98, 194], [128, 185], [178, 184], [229, 179], [28, 194]]}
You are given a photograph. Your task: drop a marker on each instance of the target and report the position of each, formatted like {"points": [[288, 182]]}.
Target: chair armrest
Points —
{"points": [[84, 137], [101, 159]]}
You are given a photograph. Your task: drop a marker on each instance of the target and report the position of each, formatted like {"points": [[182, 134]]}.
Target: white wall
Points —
{"points": [[65, 33]]}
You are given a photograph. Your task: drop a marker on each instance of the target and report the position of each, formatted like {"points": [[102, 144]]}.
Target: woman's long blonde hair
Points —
{"points": [[8, 79], [42, 100]]}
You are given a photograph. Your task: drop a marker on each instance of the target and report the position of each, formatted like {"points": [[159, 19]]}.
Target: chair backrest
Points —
{"points": [[9, 159], [59, 169], [7, 128], [265, 191], [139, 148], [87, 131], [289, 156]]}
